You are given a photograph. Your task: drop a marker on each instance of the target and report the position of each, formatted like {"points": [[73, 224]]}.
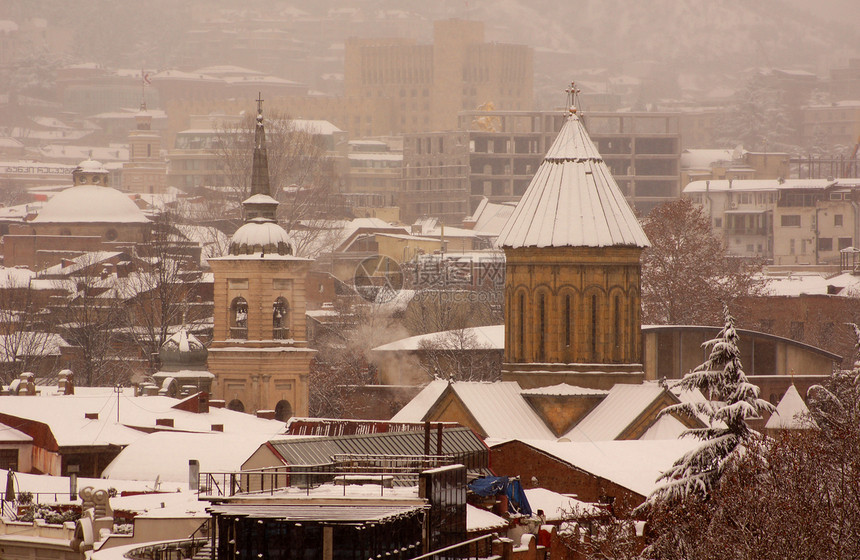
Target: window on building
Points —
{"points": [[845, 242], [567, 320], [837, 220], [542, 323], [791, 246], [789, 220], [718, 222], [594, 327], [280, 319], [521, 330], [825, 244], [796, 330], [239, 318]]}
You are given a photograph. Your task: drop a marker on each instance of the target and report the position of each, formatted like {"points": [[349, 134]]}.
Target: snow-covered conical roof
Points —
{"points": [[791, 413], [573, 200]]}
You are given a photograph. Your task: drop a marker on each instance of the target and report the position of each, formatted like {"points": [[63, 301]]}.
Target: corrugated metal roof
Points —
{"points": [[462, 443], [617, 411], [573, 200], [353, 513]]}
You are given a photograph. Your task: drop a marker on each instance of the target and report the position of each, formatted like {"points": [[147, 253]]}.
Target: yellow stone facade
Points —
{"points": [[260, 362], [572, 315]]}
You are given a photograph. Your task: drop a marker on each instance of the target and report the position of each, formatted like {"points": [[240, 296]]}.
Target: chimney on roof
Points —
{"points": [[193, 474], [266, 414], [65, 383], [91, 415], [217, 427], [217, 403], [166, 422]]}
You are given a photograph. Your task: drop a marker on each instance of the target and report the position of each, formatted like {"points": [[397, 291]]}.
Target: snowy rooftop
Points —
{"points": [[91, 203], [478, 519], [573, 200], [812, 283], [490, 337], [791, 413], [497, 407], [165, 455], [65, 416], [491, 217], [29, 343], [13, 277], [633, 464], [554, 505], [563, 389], [623, 404], [756, 185], [704, 158]]}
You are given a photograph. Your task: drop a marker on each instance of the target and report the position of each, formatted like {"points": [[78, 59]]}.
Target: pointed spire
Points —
{"points": [[572, 200], [260, 171]]}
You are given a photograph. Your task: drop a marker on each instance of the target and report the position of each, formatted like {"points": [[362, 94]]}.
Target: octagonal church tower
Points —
{"points": [[259, 353], [572, 285]]}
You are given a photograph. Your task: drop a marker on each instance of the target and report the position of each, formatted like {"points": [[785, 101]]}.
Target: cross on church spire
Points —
{"points": [[572, 97], [259, 102]]}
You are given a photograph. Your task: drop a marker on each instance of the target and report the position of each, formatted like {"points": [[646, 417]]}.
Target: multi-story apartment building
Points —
{"points": [[501, 151], [427, 85], [836, 123], [716, 164], [435, 177], [791, 222], [195, 159], [375, 169], [844, 83]]}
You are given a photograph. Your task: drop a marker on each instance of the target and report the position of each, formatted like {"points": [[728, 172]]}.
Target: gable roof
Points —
{"points": [[573, 200], [615, 413], [500, 409], [633, 464], [497, 407]]}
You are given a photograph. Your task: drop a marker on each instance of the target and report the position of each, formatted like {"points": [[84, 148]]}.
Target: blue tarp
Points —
{"points": [[494, 485]]}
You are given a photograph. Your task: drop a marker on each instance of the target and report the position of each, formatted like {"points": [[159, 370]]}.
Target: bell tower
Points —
{"points": [[259, 352], [572, 285]]}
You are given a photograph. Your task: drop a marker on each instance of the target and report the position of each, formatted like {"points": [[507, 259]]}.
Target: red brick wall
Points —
{"points": [[515, 458]]}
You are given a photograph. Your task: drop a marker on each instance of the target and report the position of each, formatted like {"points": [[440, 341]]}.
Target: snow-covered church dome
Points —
{"points": [[183, 350], [91, 200], [261, 235]]}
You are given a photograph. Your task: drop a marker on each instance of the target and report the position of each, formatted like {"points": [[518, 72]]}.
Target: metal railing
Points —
{"points": [[479, 547], [173, 550], [276, 479]]}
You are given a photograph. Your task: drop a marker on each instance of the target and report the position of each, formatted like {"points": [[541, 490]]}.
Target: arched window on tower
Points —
{"points": [[521, 327], [618, 334], [280, 319], [239, 318], [542, 324], [568, 318], [593, 341]]}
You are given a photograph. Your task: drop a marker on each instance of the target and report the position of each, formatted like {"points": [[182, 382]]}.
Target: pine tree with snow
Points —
{"points": [[730, 400]]}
